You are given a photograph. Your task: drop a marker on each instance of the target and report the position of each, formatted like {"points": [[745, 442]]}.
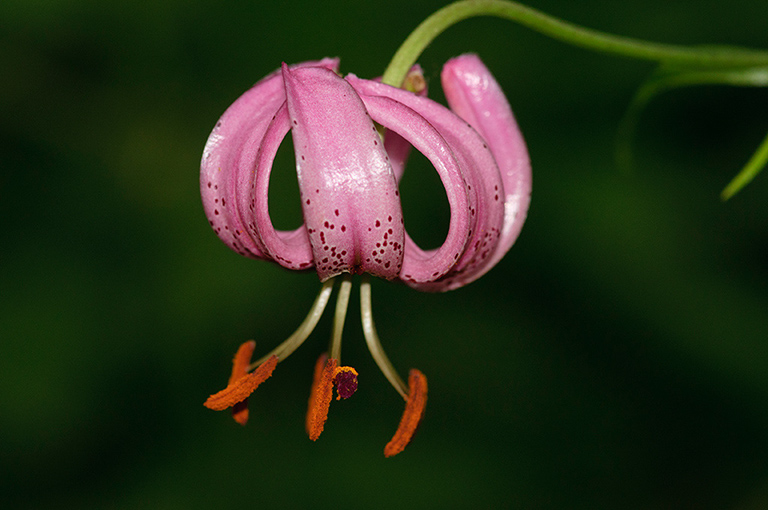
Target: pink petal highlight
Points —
{"points": [[473, 93]]}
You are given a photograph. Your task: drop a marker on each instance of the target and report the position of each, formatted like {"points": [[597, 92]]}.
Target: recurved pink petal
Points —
{"points": [[290, 249], [228, 171], [473, 93], [396, 146], [348, 190], [473, 188]]}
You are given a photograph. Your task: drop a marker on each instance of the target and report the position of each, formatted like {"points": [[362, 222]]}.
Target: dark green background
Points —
{"points": [[616, 358]]}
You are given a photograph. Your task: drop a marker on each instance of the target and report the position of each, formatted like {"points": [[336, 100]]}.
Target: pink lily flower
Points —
{"points": [[348, 182]]}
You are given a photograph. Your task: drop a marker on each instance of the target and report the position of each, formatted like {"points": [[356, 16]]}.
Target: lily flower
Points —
{"points": [[348, 173]]}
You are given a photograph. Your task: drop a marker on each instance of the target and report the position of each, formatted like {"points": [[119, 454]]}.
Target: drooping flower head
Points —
{"points": [[348, 176]]}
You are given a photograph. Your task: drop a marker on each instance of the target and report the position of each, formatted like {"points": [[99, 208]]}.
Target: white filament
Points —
{"points": [[372, 339], [342, 303], [293, 342]]}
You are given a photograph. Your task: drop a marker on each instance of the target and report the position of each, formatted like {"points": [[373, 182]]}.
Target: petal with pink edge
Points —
{"points": [[473, 93], [478, 178], [229, 155]]}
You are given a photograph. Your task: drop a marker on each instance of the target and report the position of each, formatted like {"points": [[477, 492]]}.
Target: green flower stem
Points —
{"points": [[664, 80], [429, 29]]}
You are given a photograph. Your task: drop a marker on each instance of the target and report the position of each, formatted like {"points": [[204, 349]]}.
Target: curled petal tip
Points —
{"points": [[475, 95]]}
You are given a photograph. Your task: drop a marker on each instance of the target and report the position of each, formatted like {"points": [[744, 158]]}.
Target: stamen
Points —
{"points": [[240, 412], [342, 303], [242, 387], [414, 411], [240, 369], [316, 375], [372, 339], [414, 82], [241, 360], [293, 342], [345, 379], [320, 397]]}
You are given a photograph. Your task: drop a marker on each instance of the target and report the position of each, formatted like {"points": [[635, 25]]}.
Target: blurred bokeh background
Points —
{"points": [[616, 358]]}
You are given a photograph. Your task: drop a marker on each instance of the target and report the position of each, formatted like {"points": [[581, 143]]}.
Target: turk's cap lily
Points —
{"points": [[348, 180], [348, 175]]}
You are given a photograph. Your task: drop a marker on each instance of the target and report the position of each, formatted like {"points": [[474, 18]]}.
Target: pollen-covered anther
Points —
{"points": [[320, 396], [345, 379], [240, 389], [414, 81], [240, 369], [414, 411]]}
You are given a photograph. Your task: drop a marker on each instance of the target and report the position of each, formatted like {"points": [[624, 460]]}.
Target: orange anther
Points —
{"points": [[320, 396], [239, 390], [240, 369], [414, 411], [241, 361]]}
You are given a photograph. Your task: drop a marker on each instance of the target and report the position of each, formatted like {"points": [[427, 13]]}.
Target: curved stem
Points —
{"points": [[553, 27]]}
